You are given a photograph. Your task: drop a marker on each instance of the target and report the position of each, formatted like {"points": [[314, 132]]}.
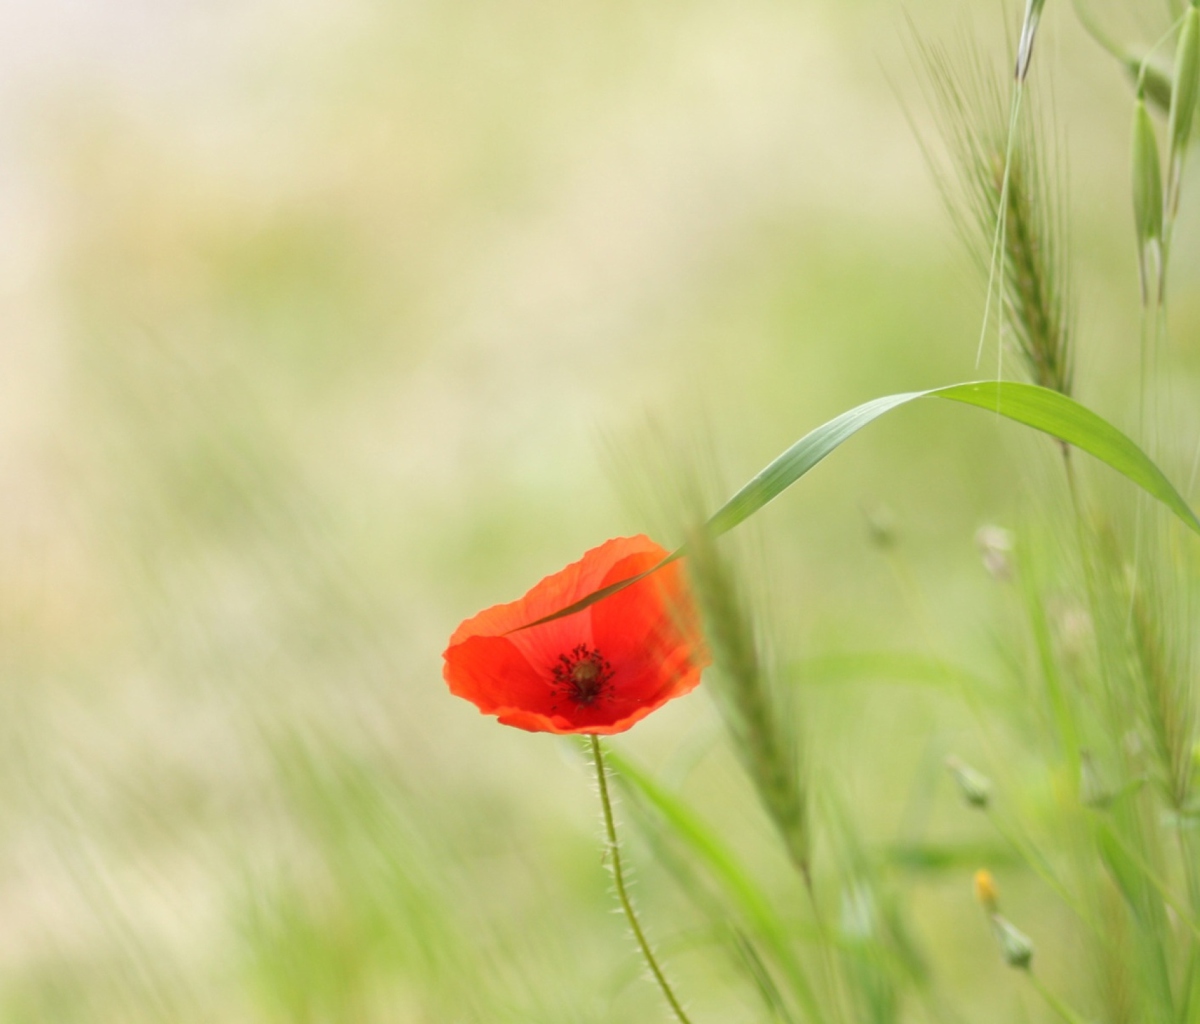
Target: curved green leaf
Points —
{"points": [[789, 467], [1038, 407], [1077, 425], [1041, 408]]}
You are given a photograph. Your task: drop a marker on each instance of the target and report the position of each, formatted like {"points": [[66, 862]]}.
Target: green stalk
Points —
{"points": [[1053, 1001], [1093, 29], [833, 988], [614, 853], [995, 264], [1193, 888]]}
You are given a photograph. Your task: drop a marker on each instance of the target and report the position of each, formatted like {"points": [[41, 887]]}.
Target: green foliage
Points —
{"points": [[1147, 191], [756, 709], [1045, 410], [303, 368], [1040, 408], [1184, 97]]}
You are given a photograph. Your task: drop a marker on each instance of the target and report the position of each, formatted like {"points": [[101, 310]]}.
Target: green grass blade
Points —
{"points": [[1037, 407], [753, 904], [1066, 419], [789, 467], [1034, 406], [768, 990]]}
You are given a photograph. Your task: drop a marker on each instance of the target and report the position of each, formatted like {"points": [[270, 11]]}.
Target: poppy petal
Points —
{"points": [[490, 672], [597, 671], [648, 630], [542, 645], [651, 684], [557, 591]]}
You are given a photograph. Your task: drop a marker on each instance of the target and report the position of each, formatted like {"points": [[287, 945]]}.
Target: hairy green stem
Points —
{"points": [[614, 853]]}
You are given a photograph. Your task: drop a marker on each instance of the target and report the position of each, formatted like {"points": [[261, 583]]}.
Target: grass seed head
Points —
{"points": [[1183, 99], [1147, 190], [1168, 704], [1014, 944], [756, 711], [1033, 298], [1009, 184]]}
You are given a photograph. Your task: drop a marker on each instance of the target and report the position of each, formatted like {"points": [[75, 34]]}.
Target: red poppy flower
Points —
{"points": [[596, 671]]}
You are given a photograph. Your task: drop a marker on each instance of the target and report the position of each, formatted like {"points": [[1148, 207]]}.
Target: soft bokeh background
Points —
{"points": [[325, 325]]}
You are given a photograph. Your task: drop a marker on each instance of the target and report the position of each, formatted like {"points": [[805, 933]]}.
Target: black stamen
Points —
{"points": [[583, 674]]}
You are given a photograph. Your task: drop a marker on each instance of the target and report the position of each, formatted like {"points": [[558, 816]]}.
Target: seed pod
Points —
{"points": [[1183, 99], [976, 789], [1014, 944], [1147, 177]]}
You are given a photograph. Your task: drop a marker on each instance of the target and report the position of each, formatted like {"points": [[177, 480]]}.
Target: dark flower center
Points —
{"points": [[582, 674]]}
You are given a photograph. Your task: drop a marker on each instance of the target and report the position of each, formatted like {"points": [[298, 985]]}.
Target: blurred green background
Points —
{"points": [[324, 326]]}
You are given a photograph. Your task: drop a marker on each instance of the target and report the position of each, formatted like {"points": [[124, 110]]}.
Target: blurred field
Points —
{"points": [[323, 323]]}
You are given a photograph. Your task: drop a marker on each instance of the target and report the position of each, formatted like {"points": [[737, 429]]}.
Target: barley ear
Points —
{"points": [[755, 709]]}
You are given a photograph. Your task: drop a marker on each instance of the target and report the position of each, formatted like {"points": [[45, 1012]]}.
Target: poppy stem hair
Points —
{"points": [[614, 853]]}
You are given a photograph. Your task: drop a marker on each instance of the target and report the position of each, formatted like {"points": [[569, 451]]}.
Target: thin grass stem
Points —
{"points": [[1037, 863], [1188, 986], [996, 282], [1160, 886], [1163, 890], [1054, 1002], [1192, 877], [1093, 29], [614, 853], [1163, 409], [1172, 201], [1023, 847], [833, 986]]}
